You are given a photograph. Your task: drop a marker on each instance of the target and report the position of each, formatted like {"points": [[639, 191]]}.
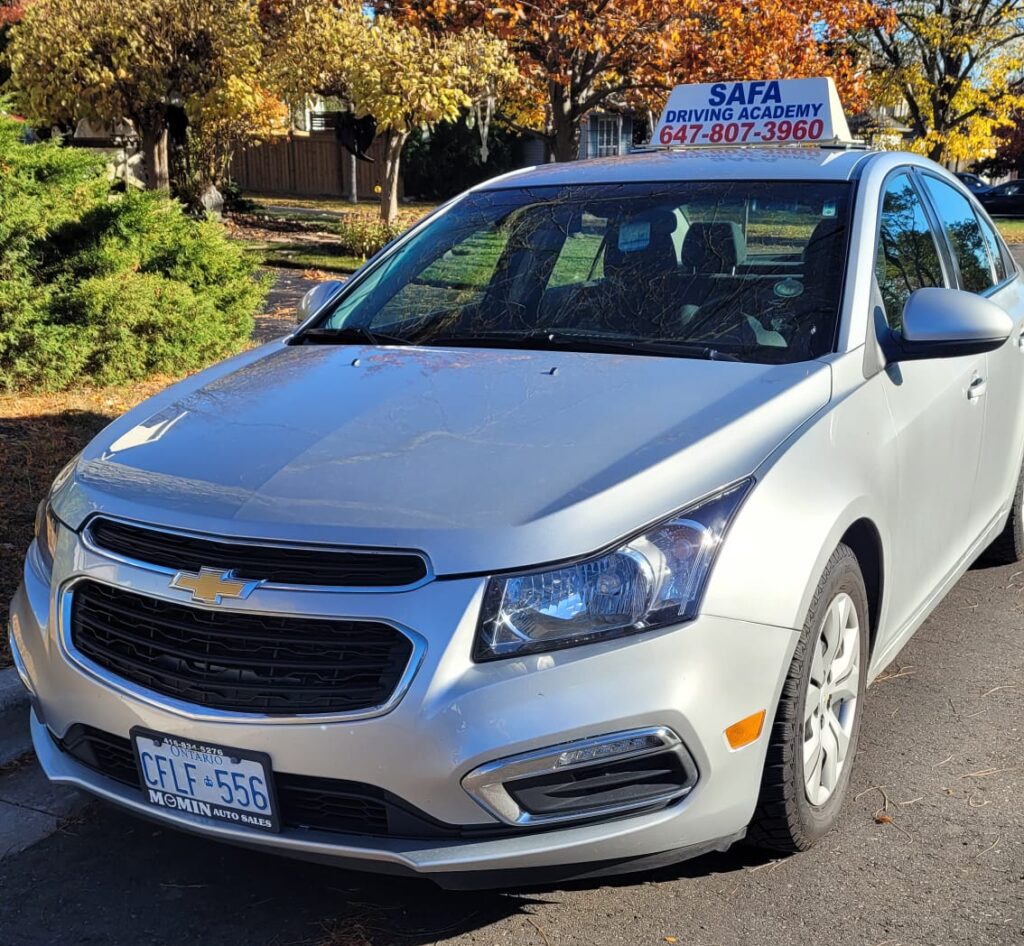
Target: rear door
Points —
{"points": [[984, 266], [935, 407]]}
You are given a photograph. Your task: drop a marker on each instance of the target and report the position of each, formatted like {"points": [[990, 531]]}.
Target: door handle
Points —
{"points": [[977, 388], [1020, 342]]}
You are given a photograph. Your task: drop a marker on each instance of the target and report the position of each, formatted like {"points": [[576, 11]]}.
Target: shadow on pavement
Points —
{"points": [[114, 879]]}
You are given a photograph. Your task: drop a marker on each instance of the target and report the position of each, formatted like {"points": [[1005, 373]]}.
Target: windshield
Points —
{"points": [[747, 270]]}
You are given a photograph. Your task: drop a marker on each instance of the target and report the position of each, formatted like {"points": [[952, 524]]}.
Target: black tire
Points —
{"points": [[785, 819], [1008, 549]]}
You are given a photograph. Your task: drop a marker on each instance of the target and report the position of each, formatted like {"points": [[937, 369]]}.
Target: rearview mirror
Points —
{"points": [[947, 323], [317, 298]]}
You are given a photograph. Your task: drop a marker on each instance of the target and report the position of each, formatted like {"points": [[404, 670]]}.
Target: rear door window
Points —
{"points": [[1002, 262], [970, 248]]}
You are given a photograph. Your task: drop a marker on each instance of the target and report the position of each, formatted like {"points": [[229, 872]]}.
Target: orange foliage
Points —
{"points": [[578, 55], [11, 12]]}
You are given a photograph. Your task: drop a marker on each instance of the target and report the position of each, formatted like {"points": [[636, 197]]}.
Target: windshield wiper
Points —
{"points": [[348, 335], [586, 342]]}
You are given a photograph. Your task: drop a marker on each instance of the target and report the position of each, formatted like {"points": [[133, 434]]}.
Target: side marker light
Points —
{"points": [[745, 731]]}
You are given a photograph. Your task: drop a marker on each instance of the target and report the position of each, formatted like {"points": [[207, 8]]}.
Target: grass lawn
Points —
{"points": [[306, 255], [39, 433], [276, 206], [1012, 228], [295, 247]]}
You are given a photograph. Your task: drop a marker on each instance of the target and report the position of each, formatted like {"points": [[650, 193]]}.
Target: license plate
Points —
{"points": [[215, 782]]}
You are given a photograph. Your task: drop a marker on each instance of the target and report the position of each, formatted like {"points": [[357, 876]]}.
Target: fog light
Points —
{"points": [[745, 731], [592, 778], [606, 749]]}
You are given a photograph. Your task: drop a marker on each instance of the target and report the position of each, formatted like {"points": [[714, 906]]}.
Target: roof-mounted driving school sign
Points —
{"points": [[775, 111]]}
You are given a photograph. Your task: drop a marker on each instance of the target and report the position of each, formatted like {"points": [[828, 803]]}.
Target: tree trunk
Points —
{"points": [[563, 139], [154, 154], [353, 170], [564, 145], [392, 162], [484, 112]]}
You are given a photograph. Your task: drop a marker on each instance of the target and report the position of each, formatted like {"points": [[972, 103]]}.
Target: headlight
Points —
{"points": [[46, 533], [653, 580], [47, 523]]}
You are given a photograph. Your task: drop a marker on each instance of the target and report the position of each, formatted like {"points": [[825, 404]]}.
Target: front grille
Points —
{"points": [[110, 755], [238, 661], [325, 804], [281, 564]]}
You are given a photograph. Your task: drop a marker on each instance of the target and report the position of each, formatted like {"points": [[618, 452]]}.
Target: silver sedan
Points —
{"points": [[564, 538]]}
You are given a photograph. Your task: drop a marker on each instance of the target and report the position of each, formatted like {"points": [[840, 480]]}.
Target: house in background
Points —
{"points": [[883, 126], [606, 134], [602, 135], [118, 143]]}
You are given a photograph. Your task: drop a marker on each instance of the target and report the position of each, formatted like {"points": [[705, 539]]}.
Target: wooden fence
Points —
{"points": [[313, 166]]}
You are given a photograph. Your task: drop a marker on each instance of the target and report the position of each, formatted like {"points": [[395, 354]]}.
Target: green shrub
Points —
{"points": [[104, 287], [363, 236]]}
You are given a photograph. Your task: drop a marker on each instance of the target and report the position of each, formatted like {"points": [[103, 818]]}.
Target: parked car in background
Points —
{"points": [[973, 183], [1004, 200]]}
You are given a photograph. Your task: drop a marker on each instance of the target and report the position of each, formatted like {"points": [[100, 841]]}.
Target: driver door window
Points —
{"points": [[908, 256]]}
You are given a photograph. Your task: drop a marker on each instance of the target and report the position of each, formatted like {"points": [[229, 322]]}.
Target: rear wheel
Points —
{"points": [[814, 737], [1008, 549]]}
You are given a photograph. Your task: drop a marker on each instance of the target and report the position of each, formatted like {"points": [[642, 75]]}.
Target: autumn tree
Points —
{"points": [[581, 55], [107, 60], [403, 75], [1008, 156], [237, 113], [956, 67]]}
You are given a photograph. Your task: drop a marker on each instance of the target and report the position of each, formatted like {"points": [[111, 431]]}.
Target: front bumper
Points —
{"points": [[455, 717]]}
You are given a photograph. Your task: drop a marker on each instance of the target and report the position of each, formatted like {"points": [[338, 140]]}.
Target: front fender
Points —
{"points": [[838, 468]]}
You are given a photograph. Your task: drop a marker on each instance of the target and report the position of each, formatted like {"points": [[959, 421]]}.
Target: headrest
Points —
{"points": [[642, 241], [823, 255], [713, 247]]}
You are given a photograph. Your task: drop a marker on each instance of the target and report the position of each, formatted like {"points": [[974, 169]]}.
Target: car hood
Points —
{"points": [[484, 459]]}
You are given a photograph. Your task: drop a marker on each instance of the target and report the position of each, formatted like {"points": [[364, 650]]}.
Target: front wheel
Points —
{"points": [[814, 737]]}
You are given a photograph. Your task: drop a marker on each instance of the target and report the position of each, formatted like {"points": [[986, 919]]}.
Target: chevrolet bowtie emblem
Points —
{"points": [[211, 586]]}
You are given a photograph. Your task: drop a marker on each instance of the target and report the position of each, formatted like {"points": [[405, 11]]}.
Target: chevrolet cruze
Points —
{"points": [[562, 539]]}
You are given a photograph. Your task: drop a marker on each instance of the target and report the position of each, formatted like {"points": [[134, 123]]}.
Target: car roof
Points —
{"points": [[798, 163]]}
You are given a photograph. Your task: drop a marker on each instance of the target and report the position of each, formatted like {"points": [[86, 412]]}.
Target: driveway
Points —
{"points": [[278, 315], [929, 852]]}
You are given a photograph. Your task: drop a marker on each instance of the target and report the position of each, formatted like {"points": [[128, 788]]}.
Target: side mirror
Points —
{"points": [[317, 298], [948, 323]]}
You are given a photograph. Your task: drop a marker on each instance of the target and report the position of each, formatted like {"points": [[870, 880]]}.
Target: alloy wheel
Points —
{"points": [[831, 702]]}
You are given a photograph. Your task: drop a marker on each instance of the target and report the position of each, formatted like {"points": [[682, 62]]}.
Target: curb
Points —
{"points": [[14, 734]]}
